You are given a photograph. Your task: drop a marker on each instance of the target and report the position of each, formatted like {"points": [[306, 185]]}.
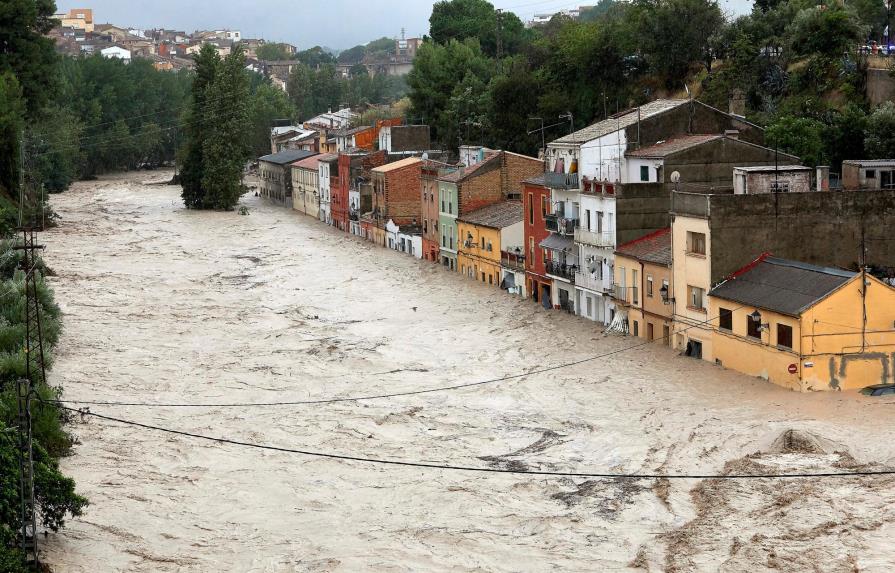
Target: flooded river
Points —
{"points": [[171, 306]]}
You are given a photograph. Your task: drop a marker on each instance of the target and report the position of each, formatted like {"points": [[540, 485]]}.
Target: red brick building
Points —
{"points": [[396, 192], [352, 165], [536, 207]]}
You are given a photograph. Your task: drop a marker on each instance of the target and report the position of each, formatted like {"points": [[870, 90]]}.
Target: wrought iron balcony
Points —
{"points": [[562, 270], [559, 224], [561, 180], [594, 238]]}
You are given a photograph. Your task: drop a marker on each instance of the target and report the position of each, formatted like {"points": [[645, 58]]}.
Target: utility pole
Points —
{"points": [[499, 14], [35, 376]]}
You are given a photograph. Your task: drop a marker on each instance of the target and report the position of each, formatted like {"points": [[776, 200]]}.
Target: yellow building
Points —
{"points": [[80, 18], [482, 235], [803, 327], [692, 270], [643, 285]]}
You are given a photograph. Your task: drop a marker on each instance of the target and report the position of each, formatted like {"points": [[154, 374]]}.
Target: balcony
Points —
{"points": [[626, 295], [512, 260], [588, 281], [561, 270], [353, 215], [562, 225], [561, 180], [594, 238]]}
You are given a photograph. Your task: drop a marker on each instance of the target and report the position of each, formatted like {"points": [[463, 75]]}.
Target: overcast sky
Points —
{"points": [[338, 24]]}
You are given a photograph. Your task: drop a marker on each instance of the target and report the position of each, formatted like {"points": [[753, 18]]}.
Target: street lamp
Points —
{"points": [[756, 318]]}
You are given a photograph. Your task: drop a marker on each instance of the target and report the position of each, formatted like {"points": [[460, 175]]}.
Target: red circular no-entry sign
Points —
{"points": [[793, 368]]}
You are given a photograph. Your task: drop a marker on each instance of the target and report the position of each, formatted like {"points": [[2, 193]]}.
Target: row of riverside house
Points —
{"points": [[670, 222]]}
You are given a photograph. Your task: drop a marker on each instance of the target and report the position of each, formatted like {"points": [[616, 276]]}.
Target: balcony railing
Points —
{"points": [[626, 295], [513, 261], [561, 270], [594, 238], [559, 224], [561, 180]]}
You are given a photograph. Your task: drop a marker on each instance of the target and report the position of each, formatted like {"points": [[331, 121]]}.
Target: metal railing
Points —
{"points": [[561, 180], [559, 224], [561, 270], [588, 281]]}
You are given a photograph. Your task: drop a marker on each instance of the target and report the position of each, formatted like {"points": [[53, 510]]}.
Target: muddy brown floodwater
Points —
{"points": [[166, 305]]}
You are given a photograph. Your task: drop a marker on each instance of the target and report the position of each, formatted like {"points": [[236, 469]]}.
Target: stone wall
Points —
{"points": [[823, 228]]}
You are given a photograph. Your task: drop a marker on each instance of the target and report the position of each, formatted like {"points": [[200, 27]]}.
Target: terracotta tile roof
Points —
{"points": [[652, 248], [397, 165], [462, 174], [495, 216], [308, 163]]}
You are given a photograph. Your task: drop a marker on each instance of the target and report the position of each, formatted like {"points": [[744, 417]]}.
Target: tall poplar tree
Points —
{"points": [[226, 148], [198, 123]]}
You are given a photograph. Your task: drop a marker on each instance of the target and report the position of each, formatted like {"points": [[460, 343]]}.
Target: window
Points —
{"points": [[695, 243], [634, 287], [590, 304], [483, 276], [636, 328], [587, 219], [442, 206], [784, 336], [644, 173], [544, 206], [753, 329], [490, 247], [649, 286], [531, 210], [696, 298], [531, 252], [871, 174], [725, 319], [490, 279], [779, 186], [483, 243]]}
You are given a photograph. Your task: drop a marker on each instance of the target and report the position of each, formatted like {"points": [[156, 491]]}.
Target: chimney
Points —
{"points": [[732, 133], [823, 178]]}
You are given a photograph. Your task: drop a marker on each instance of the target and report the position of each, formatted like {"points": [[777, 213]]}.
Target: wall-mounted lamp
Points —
{"points": [[756, 318], [663, 292]]}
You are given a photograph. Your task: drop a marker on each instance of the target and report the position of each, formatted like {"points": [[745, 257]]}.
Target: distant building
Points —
{"points": [[275, 172], [306, 186], [771, 179], [485, 234], [405, 139], [80, 18], [117, 52], [643, 285], [396, 197], [803, 326], [868, 174], [328, 164], [293, 137]]}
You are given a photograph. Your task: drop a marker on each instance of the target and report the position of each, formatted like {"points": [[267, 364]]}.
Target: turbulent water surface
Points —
{"points": [[166, 305]]}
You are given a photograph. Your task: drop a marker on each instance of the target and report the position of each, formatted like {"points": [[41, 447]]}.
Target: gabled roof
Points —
{"points": [[308, 163], [397, 165], [781, 285], [653, 248], [664, 148], [621, 121], [286, 156], [464, 173], [495, 216]]}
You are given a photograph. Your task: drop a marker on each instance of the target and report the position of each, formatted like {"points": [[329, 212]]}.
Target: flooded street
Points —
{"points": [[171, 306]]}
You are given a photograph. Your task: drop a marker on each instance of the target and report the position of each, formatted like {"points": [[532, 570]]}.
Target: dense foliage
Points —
{"points": [[793, 66], [216, 149]]}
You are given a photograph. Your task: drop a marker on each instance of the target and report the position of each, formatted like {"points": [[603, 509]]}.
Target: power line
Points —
{"points": [[461, 468], [395, 394]]}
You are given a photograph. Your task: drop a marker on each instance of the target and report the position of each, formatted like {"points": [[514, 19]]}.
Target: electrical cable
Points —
{"points": [[485, 470], [391, 395]]}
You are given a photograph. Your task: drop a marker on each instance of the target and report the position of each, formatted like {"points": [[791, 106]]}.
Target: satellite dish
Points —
{"points": [[676, 177]]}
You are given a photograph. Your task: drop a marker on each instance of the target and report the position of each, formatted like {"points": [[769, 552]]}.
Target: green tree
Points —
{"points": [[299, 86], [800, 136], [12, 122], [225, 149], [677, 33], [26, 51], [272, 52], [353, 55], [463, 19], [267, 104], [880, 138], [827, 31], [198, 126]]}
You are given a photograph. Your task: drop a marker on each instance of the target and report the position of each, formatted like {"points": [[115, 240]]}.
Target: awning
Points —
{"points": [[558, 243]]}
